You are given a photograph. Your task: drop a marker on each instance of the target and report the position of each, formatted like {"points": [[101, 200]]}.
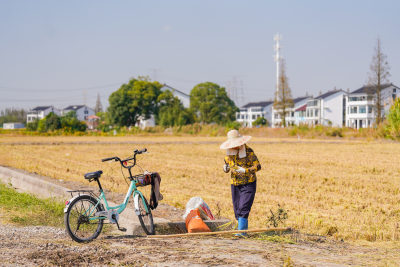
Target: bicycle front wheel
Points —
{"points": [[80, 220], [145, 217]]}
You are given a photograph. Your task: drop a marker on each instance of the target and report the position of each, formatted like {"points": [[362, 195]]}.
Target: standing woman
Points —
{"points": [[243, 164]]}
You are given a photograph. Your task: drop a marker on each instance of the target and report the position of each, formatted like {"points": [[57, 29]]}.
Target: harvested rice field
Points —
{"points": [[348, 190]]}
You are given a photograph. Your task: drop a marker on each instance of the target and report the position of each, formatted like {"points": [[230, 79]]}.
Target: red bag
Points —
{"points": [[194, 224]]}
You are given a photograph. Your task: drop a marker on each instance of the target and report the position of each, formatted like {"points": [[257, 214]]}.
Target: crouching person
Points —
{"points": [[243, 164]]}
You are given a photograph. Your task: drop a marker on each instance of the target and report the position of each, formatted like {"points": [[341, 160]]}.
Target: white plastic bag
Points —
{"points": [[198, 202]]}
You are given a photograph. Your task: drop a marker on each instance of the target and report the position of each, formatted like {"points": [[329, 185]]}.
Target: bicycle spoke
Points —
{"points": [[81, 228]]}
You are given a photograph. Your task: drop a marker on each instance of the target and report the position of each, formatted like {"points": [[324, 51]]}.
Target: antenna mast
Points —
{"points": [[277, 48]]}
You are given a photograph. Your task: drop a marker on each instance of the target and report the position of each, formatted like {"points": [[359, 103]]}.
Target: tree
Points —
{"points": [[32, 126], [260, 121], [211, 104], [379, 74], [70, 123], [52, 122], [12, 115], [133, 100], [98, 107], [393, 120], [171, 111], [283, 96]]}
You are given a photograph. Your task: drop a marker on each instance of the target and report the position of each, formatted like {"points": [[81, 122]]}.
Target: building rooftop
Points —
{"points": [[298, 99], [258, 104], [173, 89], [74, 107], [369, 89], [329, 93], [40, 108], [302, 108]]}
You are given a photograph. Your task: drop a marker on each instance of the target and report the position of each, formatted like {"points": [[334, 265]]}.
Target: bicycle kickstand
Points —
{"points": [[122, 229]]}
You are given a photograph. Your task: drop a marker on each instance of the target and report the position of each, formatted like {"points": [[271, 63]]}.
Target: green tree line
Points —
{"points": [[12, 115], [142, 99], [52, 122]]}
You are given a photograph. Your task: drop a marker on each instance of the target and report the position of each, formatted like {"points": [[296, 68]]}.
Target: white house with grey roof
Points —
{"points": [[82, 111], [183, 97], [328, 109], [360, 104], [294, 116], [251, 111], [40, 112]]}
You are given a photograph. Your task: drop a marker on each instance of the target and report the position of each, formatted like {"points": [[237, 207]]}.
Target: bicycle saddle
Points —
{"points": [[93, 175]]}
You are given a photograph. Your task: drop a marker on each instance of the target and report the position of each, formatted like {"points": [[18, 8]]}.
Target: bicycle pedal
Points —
{"points": [[122, 229]]}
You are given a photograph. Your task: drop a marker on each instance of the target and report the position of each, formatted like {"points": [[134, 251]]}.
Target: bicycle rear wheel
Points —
{"points": [[145, 218], [79, 221]]}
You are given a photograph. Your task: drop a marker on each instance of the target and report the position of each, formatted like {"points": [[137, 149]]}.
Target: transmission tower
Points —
{"points": [[235, 90]]}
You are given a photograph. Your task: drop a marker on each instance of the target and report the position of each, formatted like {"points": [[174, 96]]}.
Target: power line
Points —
{"points": [[59, 89]]}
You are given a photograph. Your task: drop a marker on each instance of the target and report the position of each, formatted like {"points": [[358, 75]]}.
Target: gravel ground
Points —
{"points": [[49, 246]]}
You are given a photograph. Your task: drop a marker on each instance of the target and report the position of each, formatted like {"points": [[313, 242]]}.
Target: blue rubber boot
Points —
{"points": [[243, 225]]}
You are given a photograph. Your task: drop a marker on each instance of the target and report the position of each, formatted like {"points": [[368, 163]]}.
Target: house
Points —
{"points": [[360, 104], [40, 112], [92, 122], [294, 115], [82, 111], [183, 97], [13, 125], [328, 109], [253, 110]]}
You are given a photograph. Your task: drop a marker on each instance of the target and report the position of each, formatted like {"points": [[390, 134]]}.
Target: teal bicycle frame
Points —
{"points": [[120, 208]]}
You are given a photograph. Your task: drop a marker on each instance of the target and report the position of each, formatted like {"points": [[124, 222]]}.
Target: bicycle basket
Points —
{"points": [[142, 179]]}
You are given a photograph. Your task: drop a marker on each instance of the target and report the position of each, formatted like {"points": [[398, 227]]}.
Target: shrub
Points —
{"points": [[260, 121], [334, 132], [392, 126], [32, 126]]}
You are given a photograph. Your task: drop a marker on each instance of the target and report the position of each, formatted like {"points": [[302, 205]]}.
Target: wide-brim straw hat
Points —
{"points": [[235, 140]]}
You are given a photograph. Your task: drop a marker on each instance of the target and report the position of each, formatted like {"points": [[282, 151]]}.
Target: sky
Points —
{"points": [[64, 53]]}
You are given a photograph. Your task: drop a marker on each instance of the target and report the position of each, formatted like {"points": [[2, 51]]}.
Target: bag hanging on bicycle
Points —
{"points": [[143, 179]]}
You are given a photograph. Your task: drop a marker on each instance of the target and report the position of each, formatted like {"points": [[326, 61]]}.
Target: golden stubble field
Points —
{"points": [[350, 190]]}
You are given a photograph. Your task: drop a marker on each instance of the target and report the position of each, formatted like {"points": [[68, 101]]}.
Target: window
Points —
{"points": [[316, 113], [242, 116], [360, 98], [370, 108], [256, 109], [253, 117], [353, 109], [362, 109], [394, 97], [312, 103], [86, 111]]}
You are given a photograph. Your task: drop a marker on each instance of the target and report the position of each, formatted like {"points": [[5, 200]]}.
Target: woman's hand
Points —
{"points": [[226, 168], [240, 170]]}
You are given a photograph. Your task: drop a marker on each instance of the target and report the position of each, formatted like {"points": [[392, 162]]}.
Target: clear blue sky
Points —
{"points": [[63, 52]]}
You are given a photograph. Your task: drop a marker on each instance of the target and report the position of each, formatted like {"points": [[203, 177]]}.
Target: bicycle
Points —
{"points": [[84, 214]]}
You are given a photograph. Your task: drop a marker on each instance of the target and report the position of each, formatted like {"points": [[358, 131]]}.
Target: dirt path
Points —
{"points": [[48, 246]]}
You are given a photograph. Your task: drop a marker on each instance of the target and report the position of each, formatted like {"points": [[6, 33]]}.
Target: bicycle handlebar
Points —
{"points": [[107, 159], [141, 151], [136, 152]]}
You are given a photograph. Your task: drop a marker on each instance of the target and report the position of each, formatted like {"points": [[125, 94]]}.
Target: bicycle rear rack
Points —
{"points": [[83, 192]]}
